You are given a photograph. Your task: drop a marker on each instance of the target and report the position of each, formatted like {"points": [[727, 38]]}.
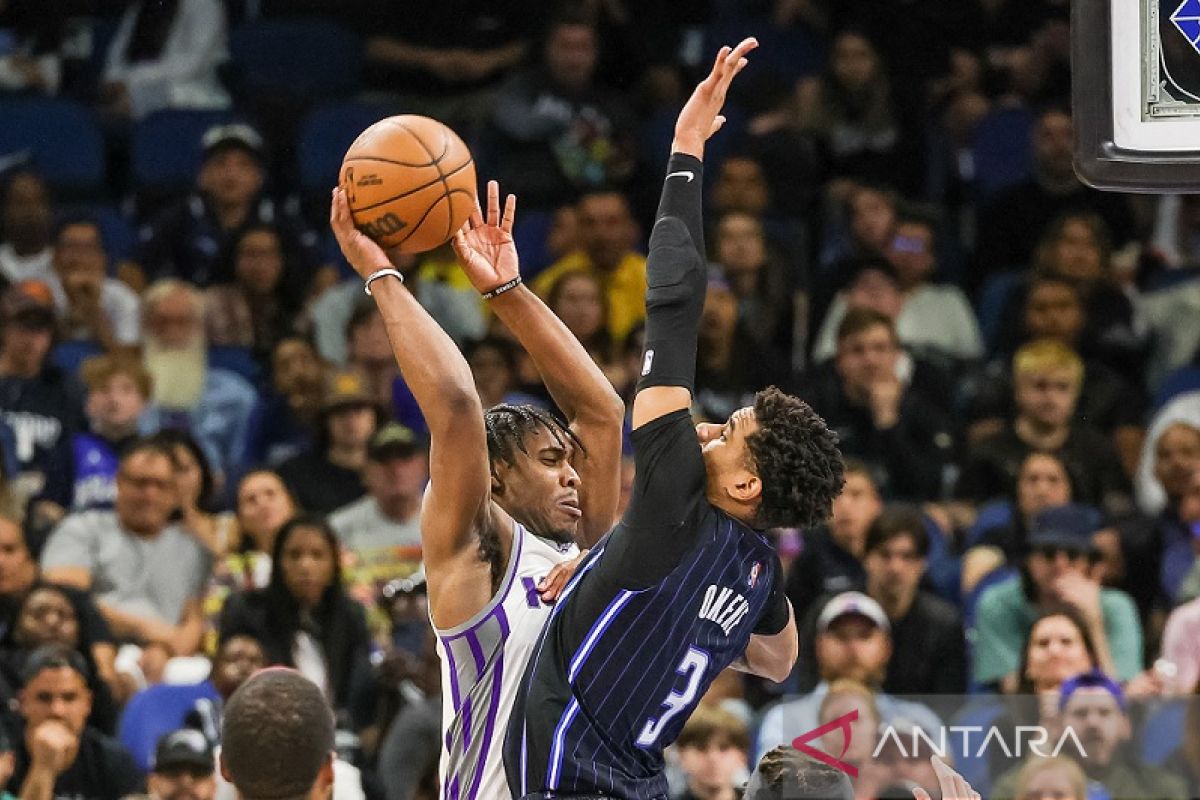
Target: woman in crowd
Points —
{"points": [[577, 298], [196, 486], [1058, 648], [1053, 778], [304, 618]]}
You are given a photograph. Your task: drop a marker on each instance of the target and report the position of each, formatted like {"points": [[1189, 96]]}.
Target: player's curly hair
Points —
{"points": [[797, 459]]}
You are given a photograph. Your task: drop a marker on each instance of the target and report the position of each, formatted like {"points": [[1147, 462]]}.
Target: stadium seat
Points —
{"points": [[302, 57], [1184, 379], [1003, 151], [61, 138], [166, 147], [155, 711], [992, 515], [1162, 732], [325, 134]]}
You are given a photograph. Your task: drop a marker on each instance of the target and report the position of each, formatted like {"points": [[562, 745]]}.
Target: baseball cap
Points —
{"points": [[28, 303], [345, 388], [183, 748], [1068, 527], [848, 603], [393, 440], [237, 135]]}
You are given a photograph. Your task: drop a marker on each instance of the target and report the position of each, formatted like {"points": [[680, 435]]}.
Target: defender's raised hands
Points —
{"points": [[701, 115]]}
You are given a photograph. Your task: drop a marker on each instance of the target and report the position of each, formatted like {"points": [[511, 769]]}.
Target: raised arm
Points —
{"points": [[676, 267], [489, 258], [438, 375]]}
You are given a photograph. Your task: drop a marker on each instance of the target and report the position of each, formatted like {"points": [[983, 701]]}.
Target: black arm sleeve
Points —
{"points": [[676, 275], [775, 616]]}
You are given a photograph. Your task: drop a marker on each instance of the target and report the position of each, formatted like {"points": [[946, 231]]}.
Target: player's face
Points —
{"points": [[541, 490], [726, 453]]}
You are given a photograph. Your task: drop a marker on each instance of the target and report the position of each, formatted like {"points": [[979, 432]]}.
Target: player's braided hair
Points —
{"points": [[508, 428], [796, 457]]}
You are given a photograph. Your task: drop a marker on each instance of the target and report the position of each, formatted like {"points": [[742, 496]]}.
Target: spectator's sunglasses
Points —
{"points": [[1052, 551]]}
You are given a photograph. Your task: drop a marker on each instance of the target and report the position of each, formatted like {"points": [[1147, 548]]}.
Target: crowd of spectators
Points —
{"points": [[211, 462]]}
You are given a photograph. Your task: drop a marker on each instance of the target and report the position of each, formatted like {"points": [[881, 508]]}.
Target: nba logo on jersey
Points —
{"points": [[646, 362], [754, 571]]}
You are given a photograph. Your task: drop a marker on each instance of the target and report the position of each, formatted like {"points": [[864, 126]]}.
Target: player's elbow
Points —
{"points": [[606, 408], [777, 669]]}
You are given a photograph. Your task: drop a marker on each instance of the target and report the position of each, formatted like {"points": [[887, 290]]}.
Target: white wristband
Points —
{"points": [[382, 273]]}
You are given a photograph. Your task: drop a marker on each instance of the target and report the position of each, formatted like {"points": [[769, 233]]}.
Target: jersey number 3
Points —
{"points": [[693, 666]]}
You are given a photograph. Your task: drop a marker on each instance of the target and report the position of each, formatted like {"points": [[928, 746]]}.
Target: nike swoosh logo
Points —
{"points": [[685, 174]]}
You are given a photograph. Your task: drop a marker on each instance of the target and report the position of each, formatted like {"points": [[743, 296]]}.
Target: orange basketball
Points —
{"points": [[410, 181]]}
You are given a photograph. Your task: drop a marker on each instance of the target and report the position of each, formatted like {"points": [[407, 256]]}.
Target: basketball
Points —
{"points": [[410, 182]]}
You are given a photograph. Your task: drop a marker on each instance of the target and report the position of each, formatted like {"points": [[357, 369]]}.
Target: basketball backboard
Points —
{"points": [[1136, 94]]}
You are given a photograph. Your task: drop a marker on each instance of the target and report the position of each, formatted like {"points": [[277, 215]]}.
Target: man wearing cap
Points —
{"points": [[854, 641], [328, 475], [183, 768], [37, 400], [59, 755], [1057, 571], [190, 239], [380, 532], [1093, 706], [881, 412]]}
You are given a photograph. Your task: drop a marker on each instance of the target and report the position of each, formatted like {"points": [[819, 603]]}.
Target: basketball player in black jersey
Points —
{"points": [[686, 584]]}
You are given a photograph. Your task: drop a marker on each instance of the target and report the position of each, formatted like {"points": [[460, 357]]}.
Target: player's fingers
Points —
{"points": [[476, 218], [493, 203], [920, 794], [717, 123], [510, 213]]}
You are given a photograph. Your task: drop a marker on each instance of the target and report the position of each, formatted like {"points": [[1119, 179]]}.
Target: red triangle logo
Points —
{"points": [[842, 722]]}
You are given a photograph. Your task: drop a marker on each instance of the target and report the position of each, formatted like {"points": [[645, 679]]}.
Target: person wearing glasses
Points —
{"points": [[1059, 570], [145, 573]]}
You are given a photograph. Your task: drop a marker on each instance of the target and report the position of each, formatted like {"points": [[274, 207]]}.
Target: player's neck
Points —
{"points": [[739, 511]]}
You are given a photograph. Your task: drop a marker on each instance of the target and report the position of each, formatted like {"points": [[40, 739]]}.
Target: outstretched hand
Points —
{"points": [[363, 253], [952, 785], [485, 248], [701, 115]]}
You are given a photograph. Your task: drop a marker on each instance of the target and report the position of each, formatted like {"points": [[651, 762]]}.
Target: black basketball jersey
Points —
{"points": [[664, 602]]}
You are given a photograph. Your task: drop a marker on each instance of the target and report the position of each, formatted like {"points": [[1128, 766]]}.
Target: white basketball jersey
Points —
{"points": [[482, 663]]}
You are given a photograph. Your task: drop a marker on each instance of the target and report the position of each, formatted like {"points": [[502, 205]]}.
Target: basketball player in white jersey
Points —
{"points": [[512, 494]]}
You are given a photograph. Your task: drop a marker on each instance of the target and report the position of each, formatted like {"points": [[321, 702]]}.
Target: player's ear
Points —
{"points": [[323, 786], [746, 487]]}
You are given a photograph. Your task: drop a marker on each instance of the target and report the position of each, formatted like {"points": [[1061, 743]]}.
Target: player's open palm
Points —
{"points": [[485, 248], [364, 254], [701, 115], [951, 785]]}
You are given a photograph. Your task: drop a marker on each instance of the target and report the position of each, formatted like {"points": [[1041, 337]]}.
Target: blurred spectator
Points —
{"points": [[1058, 648], [328, 475], [285, 419], [195, 489], [1181, 647], [91, 305], [1173, 242], [831, 559], [213, 403], [381, 532], [32, 62], [58, 754], [606, 234], [1013, 221], [1055, 776], [862, 228], [844, 696], [853, 642], [740, 187], [165, 54], [184, 766], [929, 653], [108, 553], [456, 308], [934, 320], [730, 365], [442, 60], [189, 239], [369, 353], [1185, 762], [237, 658], [494, 365], [1057, 572], [47, 617], [768, 297], [1043, 481], [577, 298], [261, 304], [556, 131], [1170, 553], [1054, 310], [304, 618], [1097, 711], [877, 403], [1047, 377], [117, 390], [20, 576], [39, 402], [712, 747], [852, 110], [26, 220]]}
